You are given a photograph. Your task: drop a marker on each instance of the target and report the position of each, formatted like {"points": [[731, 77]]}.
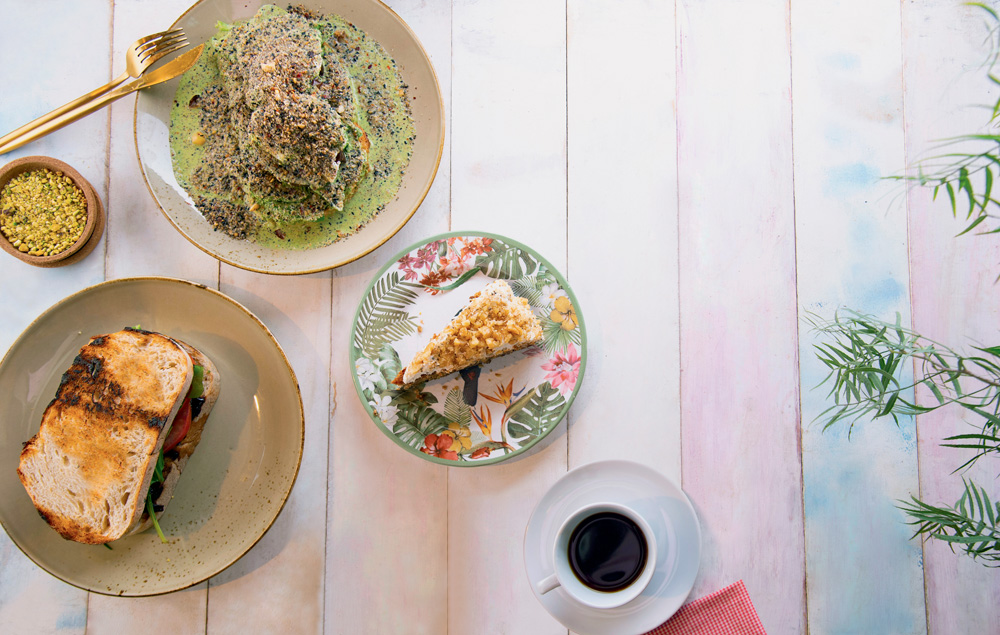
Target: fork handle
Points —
{"points": [[69, 117], [97, 92]]}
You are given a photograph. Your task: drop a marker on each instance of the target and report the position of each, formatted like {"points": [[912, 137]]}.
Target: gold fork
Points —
{"points": [[143, 53]]}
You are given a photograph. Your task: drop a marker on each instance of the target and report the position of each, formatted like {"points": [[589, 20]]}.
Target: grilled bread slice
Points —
{"points": [[89, 467], [175, 459]]}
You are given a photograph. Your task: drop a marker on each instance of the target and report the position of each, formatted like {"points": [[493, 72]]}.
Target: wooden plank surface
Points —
{"points": [[508, 176], [852, 253], [739, 377], [955, 295], [31, 600], [387, 528], [704, 172], [623, 183]]}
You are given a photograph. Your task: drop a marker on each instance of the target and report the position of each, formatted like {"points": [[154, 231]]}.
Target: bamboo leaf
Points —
{"points": [[979, 219], [965, 185], [889, 404], [987, 187]]}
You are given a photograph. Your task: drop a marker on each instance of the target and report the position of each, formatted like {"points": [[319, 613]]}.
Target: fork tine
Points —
{"points": [[148, 57], [161, 34], [154, 44], [145, 55], [154, 36], [158, 55], [152, 55]]}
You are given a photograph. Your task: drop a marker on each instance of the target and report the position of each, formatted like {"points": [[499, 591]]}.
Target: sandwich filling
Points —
{"points": [[178, 430]]}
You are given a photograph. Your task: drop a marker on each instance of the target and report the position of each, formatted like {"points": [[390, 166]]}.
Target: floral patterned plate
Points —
{"points": [[516, 400]]}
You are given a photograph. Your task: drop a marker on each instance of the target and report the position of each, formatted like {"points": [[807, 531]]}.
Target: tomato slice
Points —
{"points": [[182, 423]]}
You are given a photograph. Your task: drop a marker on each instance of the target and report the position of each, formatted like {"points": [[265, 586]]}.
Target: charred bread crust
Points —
{"points": [[99, 437]]}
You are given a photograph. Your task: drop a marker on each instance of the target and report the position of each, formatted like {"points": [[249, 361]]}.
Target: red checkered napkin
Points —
{"points": [[725, 612]]}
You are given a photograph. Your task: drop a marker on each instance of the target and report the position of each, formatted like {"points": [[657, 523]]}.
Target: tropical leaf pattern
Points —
{"points": [[382, 316], [527, 288], [506, 261], [455, 410], [555, 337], [415, 423], [539, 415], [433, 419]]}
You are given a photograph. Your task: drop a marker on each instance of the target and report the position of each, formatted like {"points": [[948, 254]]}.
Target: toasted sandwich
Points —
{"points": [[126, 418], [493, 323]]}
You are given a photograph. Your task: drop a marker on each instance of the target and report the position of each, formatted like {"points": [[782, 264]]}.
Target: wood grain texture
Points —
{"points": [[729, 152], [387, 519], [286, 567], [42, 86], [387, 525], [622, 213], [739, 377], [508, 176], [852, 253], [955, 299], [28, 72]]}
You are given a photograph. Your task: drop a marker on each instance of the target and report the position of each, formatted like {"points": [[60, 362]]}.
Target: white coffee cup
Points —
{"points": [[563, 575]]}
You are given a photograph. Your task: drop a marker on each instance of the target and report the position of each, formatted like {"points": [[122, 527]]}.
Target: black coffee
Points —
{"points": [[607, 551]]}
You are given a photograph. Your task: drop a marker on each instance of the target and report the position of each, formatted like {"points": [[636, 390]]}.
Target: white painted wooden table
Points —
{"points": [[704, 172]]}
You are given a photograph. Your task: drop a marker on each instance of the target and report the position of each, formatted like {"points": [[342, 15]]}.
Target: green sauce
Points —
{"points": [[383, 114]]}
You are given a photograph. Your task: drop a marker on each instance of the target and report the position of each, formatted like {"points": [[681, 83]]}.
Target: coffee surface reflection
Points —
{"points": [[607, 551]]}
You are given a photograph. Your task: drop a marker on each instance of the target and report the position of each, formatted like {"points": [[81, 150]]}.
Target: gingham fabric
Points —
{"points": [[725, 612]]}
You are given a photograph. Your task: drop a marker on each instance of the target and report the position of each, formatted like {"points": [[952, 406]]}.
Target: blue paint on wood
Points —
{"points": [[72, 621], [848, 179]]}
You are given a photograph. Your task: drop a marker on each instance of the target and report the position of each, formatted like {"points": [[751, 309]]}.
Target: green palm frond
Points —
{"points": [[555, 338], [866, 358], [528, 288], [382, 316], [455, 409], [414, 423], [506, 261], [867, 361], [971, 525], [538, 415], [965, 167]]}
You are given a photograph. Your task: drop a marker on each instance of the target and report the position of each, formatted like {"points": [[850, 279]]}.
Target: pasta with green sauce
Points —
{"points": [[292, 130]]}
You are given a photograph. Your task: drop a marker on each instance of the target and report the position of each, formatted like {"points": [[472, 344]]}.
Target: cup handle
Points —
{"points": [[547, 584]]}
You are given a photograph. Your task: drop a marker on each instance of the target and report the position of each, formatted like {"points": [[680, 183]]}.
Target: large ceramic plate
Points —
{"points": [[152, 120], [519, 398], [235, 483]]}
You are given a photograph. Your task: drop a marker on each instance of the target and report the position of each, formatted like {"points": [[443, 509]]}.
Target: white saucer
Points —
{"points": [[675, 526]]}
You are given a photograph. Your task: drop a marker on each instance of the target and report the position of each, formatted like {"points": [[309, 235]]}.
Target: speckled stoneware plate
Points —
{"points": [[235, 483], [152, 121], [518, 399]]}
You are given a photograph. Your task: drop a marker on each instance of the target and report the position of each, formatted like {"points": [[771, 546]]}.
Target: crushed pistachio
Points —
{"points": [[42, 213]]}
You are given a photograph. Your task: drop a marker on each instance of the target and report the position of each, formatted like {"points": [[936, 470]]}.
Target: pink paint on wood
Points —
{"points": [[739, 370], [955, 298], [956, 302]]}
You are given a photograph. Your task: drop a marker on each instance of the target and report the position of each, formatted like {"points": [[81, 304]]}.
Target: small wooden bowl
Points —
{"points": [[92, 231]]}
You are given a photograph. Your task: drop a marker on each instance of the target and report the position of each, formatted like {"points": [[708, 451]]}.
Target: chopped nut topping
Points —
{"points": [[42, 213]]}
